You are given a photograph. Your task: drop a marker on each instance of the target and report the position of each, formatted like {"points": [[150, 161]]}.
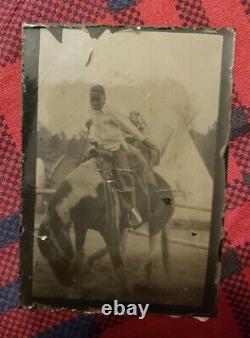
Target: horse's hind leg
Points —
{"points": [[147, 266], [158, 235]]}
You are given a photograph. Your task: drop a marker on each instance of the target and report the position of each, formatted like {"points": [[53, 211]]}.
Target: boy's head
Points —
{"points": [[97, 97]]}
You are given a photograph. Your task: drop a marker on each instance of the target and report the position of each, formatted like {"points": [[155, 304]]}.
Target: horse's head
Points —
{"points": [[55, 240]]}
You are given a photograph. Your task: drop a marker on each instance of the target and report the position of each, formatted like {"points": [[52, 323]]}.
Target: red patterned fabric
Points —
{"points": [[9, 268], [233, 319], [28, 323]]}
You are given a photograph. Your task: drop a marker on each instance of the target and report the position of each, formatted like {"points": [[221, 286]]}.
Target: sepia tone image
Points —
{"points": [[125, 156]]}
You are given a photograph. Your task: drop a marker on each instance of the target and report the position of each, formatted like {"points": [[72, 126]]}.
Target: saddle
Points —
{"points": [[104, 159]]}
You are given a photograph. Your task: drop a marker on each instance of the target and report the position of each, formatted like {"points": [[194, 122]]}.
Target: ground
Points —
{"points": [[184, 286]]}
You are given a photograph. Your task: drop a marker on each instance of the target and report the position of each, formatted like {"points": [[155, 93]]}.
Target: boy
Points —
{"points": [[108, 133]]}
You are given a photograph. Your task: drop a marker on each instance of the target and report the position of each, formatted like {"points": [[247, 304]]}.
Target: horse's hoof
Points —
{"points": [[128, 291]]}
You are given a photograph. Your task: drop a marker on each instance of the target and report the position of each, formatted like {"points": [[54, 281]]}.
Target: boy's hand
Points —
{"points": [[149, 144], [88, 124]]}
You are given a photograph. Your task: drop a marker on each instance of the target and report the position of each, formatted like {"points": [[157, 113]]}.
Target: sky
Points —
{"points": [[175, 69]]}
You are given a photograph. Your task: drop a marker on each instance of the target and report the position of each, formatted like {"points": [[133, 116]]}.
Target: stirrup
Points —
{"points": [[134, 218]]}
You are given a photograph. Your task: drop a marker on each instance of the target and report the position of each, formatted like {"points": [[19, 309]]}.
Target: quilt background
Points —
{"points": [[233, 318]]}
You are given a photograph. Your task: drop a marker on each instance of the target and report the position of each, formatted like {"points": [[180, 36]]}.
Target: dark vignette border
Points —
{"points": [[30, 67], [31, 35]]}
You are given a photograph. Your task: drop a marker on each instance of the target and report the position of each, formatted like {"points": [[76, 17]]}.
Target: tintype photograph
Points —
{"points": [[123, 176]]}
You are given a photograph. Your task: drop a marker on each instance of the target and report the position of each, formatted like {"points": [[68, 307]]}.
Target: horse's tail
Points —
{"points": [[165, 248]]}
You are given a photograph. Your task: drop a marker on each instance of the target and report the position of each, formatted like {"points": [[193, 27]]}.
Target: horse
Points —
{"points": [[82, 201]]}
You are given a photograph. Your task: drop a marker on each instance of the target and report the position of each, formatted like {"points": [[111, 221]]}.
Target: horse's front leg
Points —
{"points": [[95, 256], [123, 244], [114, 248], [77, 265], [103, 251]]}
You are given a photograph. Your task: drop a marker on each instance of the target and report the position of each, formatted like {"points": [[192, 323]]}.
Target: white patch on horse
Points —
{"points": [[84, 181]]}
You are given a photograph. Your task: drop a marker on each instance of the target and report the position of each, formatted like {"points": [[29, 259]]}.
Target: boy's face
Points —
{"points": [[97, 100]]}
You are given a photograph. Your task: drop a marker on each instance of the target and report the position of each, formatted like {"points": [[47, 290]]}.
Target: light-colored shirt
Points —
{"points": [[108, 129]]}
